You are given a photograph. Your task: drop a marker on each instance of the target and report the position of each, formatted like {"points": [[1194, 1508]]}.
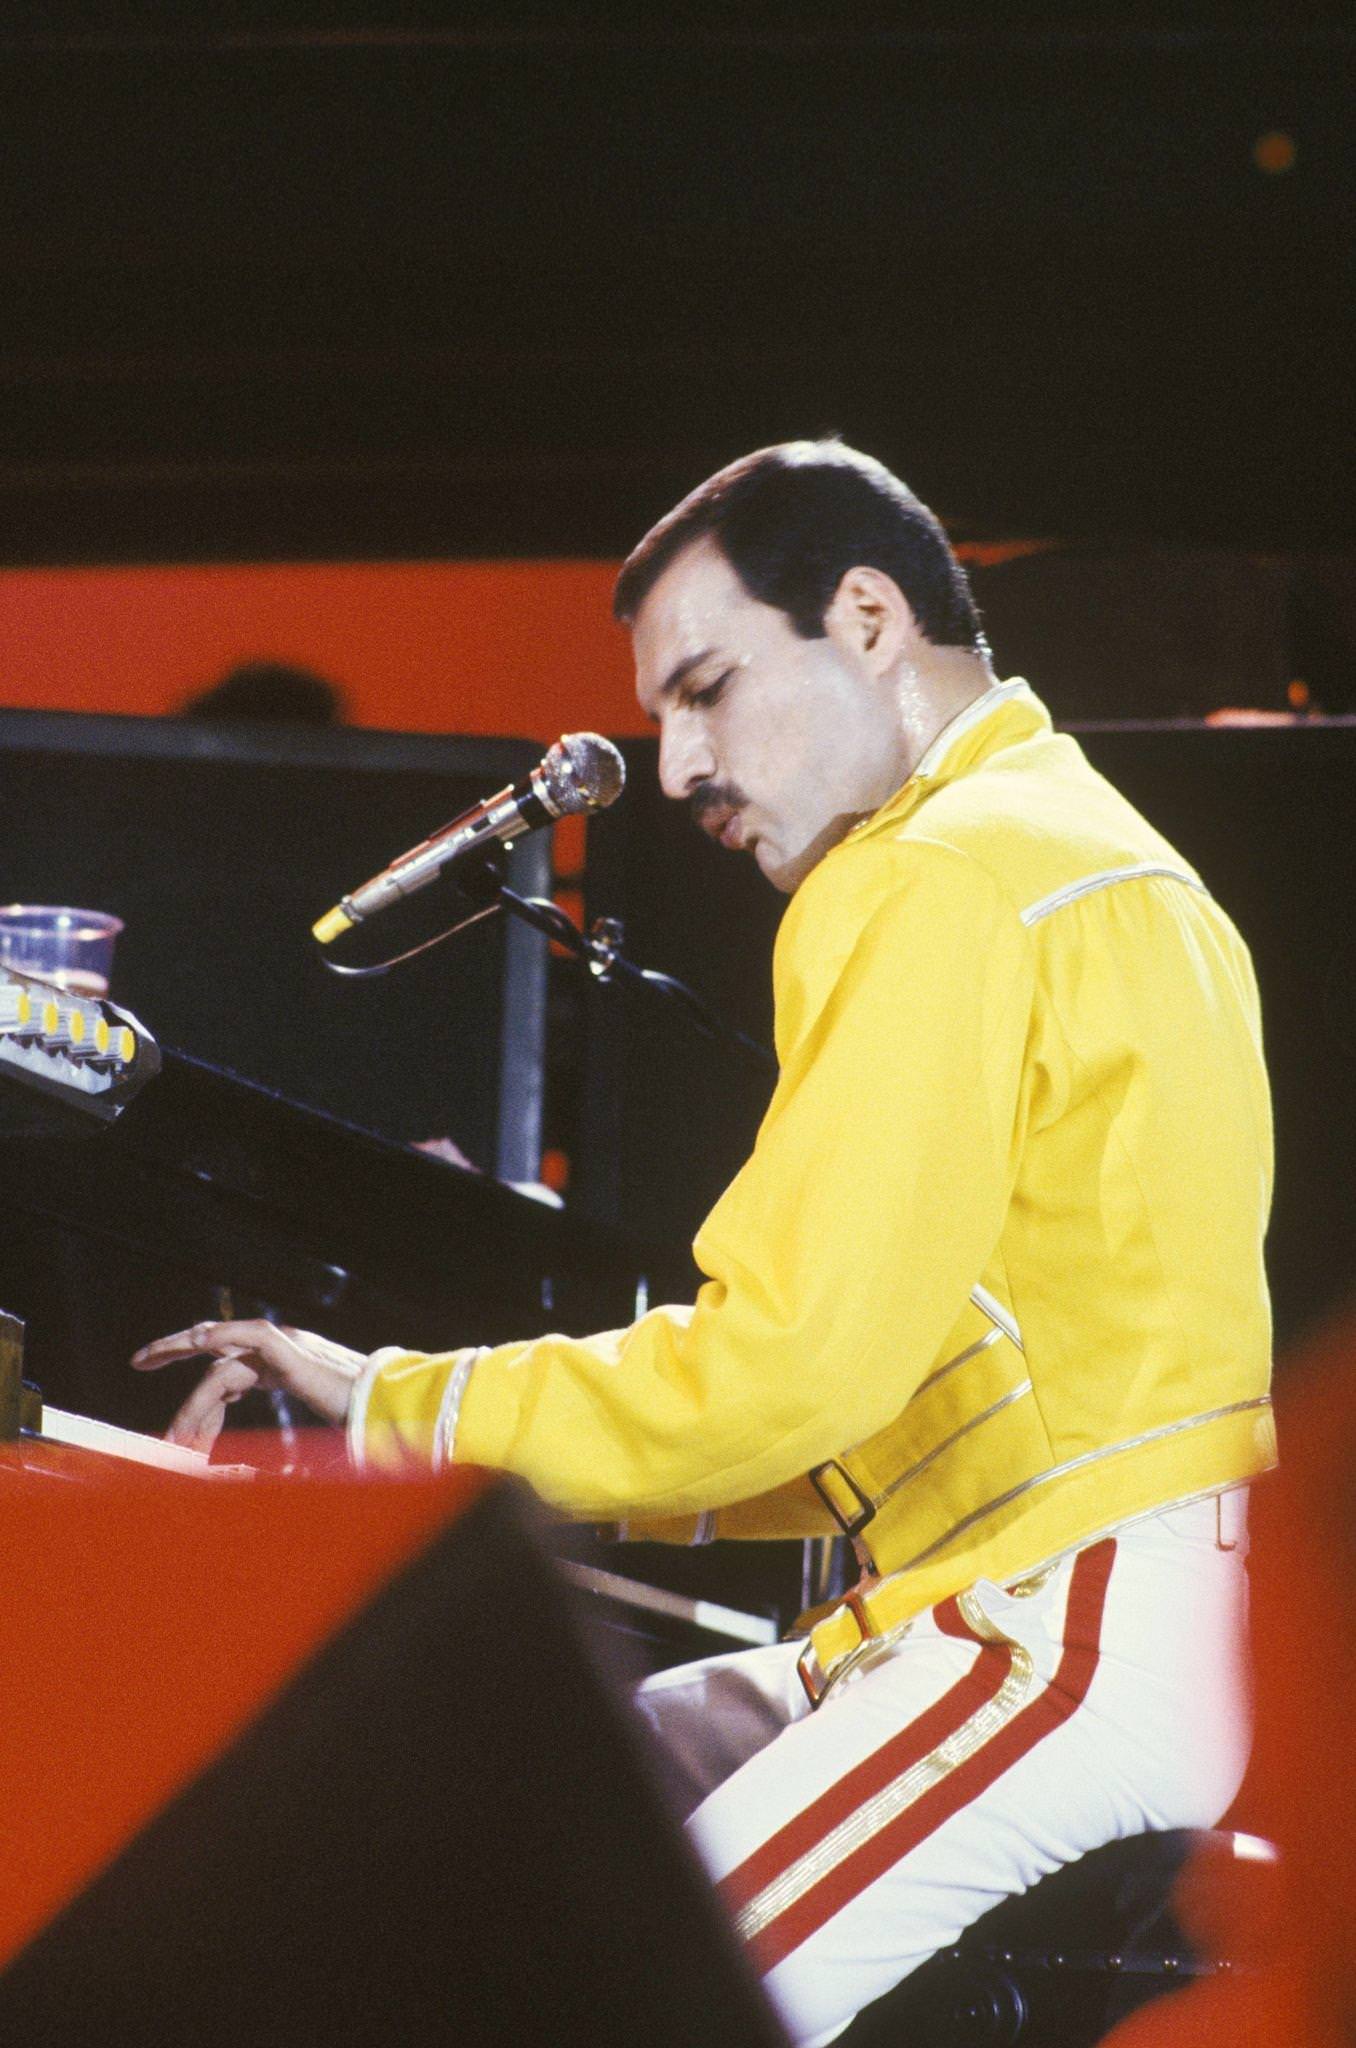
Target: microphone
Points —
{"points": [[581, 772]]}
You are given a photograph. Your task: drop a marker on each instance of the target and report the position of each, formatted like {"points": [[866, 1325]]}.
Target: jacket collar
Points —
{"points": [[1004, 715]]}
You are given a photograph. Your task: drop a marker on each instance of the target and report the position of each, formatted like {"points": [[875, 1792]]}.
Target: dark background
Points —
{"points": [[395, 279]]}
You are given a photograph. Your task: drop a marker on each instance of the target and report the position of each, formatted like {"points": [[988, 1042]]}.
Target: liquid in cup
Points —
{"points": [[72, 949]]}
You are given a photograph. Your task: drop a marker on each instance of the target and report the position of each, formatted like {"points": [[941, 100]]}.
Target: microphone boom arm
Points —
{"points": [[600, 950]]}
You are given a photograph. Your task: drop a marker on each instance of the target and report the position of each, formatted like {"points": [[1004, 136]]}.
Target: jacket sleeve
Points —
{"points": [[838, 1258]]}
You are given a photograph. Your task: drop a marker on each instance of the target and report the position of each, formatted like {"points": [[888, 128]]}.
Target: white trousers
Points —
{"points": [[1002, 1736]]}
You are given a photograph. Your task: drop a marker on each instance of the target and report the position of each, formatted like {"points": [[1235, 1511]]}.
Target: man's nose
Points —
{"points": [[686, 759]]}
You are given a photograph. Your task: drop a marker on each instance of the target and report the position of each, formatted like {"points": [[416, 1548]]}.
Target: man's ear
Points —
{"points": [[869, 616]]}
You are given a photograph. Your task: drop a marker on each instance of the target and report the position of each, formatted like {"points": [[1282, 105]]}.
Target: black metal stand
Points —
{"points": [[600, 950]]}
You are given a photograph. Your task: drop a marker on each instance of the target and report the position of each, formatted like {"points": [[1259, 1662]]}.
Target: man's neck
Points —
{"points": [[933, 691]]}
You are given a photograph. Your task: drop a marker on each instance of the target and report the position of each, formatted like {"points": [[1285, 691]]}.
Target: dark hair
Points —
{"points": [[792, 520]]}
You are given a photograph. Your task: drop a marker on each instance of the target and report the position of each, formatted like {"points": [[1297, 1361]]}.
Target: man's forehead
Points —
{"points": [[697, 583]]}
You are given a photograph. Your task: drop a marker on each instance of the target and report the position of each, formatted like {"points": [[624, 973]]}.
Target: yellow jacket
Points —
{"points": [[993, 1272]]}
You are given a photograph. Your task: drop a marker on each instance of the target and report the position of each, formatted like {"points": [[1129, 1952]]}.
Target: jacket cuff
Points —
{"points": [[449, 1408], [359, 1401], [404, 1408]]}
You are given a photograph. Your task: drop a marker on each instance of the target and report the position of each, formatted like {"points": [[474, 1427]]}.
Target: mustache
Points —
{"points": [[710, 796]]}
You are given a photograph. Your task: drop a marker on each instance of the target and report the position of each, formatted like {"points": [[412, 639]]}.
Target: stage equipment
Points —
{"points": [[580, 773], [77, 1048], [600, 950], [206, 1178], [210, 1196], [216, 843], [1060, 1965], [333, 1762]]}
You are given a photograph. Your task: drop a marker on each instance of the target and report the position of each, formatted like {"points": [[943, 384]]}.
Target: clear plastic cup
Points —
{"points": [[72, 948]]}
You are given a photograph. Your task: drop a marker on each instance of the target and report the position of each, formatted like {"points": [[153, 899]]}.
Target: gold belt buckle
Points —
{"points": [[811, 1673]]}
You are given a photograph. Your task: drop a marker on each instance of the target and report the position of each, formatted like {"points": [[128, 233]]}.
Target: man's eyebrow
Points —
{"points": [[678, 675], [682, 670]]}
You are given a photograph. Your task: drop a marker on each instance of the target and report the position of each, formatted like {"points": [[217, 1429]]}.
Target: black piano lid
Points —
{"points": [[298, 1208]]}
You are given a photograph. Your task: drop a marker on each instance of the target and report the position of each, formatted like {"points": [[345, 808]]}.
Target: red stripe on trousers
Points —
{"points": [[805, 1830], [1015, 1739]]}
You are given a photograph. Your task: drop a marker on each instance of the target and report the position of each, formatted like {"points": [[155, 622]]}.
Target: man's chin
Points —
{"points": [[784, 873]]}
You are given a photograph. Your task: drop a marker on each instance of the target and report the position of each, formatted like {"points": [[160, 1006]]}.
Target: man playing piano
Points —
{"points": [[988, 1296]]}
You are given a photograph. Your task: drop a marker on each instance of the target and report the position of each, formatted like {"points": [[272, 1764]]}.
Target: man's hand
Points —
{"points": [[253, 1354]]}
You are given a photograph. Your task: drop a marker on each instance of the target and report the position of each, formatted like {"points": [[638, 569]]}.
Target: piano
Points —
{"points": [[148, 1189]]}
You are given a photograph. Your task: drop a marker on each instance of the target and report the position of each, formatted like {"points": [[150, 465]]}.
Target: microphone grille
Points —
{"points": [[583, 772]]}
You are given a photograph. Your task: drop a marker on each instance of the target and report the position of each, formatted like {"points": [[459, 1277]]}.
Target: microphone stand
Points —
{"points": [[600, 950]]}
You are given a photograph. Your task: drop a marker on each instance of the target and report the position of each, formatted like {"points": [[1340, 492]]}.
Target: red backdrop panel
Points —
{"points": [[525, 648]]}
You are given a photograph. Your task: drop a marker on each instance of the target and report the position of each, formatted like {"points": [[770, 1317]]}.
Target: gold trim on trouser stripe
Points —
{"points": [[905, 1791], [1026, 1589]]}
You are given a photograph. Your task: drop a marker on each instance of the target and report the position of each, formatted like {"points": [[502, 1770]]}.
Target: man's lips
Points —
{"points": [[724, 824]]}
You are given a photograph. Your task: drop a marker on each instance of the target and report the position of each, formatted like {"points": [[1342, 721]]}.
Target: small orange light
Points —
{"points": [[1274, 152], [571, 901], [555, 1171], [1297, 695]]}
